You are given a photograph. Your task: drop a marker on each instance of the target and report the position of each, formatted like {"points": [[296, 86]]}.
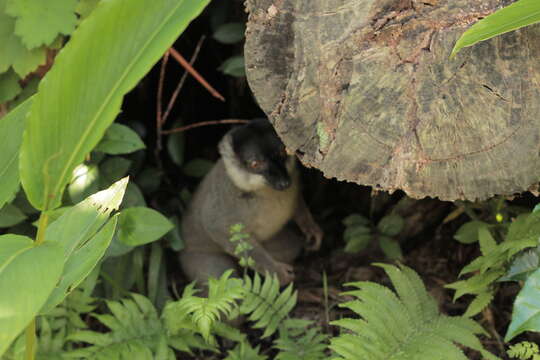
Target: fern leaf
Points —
{"points": [[480, 302], [422, 333], [411, 291], [205, 312], [265, 304], [524, 350], [136, 332], [244, 351], [298, 340], [375, 312]]}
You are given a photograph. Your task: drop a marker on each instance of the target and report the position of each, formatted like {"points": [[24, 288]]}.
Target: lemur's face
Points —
{"points": [[260, 152]]}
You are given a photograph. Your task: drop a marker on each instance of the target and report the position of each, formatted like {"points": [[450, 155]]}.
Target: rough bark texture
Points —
{"points": [[364, 90]]}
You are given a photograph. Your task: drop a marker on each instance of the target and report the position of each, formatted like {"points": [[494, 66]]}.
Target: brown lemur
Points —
{"points": [[255, 183]]}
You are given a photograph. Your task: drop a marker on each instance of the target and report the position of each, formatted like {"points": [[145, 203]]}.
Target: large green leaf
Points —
{"points": [[28, 274], [141, 225], [81, 262], [120, 139], [11, 130], [80, 96], [526, 314], [82, 221], [512, 17]]}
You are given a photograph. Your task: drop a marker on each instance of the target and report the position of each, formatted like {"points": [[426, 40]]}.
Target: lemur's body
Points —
{"points": [[254, 184]]}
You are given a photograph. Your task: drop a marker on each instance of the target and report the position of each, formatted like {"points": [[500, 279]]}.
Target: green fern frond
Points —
{"points": [[265, 304], [491, 265], [205, 312], [299, 340], [244, 351], [136, 331], [524, 350], [406, 325]]}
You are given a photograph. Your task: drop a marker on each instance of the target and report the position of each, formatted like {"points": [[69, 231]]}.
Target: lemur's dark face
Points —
{"points": [[260, 151]]}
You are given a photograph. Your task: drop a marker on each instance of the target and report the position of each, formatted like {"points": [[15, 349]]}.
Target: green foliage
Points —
{"points": [[53, 148], [265, 304], [119, 139], [405, 324], [359, 232], [9, 86], [526, 314], [524, 350], [495, 258], [11, 130], [22, 273], [230, 33], [468, 232], [176, 145], [206, 311], [197, 168], [391, 225], [14, 53], [519, 14], [136, 331], [141, 225], [242, 247], [234, 66], [11, 215], [244, 351], [523, 265], [40, 22], [53, 329], [300, 340]]}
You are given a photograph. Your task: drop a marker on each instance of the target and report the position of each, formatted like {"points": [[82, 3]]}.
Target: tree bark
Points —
{"points": [[364, 90]]}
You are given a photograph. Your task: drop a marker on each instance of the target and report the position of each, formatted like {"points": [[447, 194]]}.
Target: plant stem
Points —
{"points": [[30, 332], [31, 340], [42, 226]]}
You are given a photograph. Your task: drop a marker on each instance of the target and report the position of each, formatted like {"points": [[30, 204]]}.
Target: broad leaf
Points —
{"points": [[468, 232], [14, 53], [28, 274], [391, 225], [81, 262], [80, 96], [234, 66], [9, 86], [120, 139], [113, 169], [197, 167], [230, 33], [141, 225], [84, 182], [523, 265], [512, 17], [390, 247], [40, 22], [176, 145], [82, 221], [11, 130], [11, 215], [526, 313]]}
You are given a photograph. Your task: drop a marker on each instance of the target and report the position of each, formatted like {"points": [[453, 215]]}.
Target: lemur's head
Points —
{"points": [[255, 157]]}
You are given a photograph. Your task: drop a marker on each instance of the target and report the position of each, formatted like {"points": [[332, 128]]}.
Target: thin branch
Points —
{"points": [[159, 119], [182, 80], [195, 74], [205, 123]]}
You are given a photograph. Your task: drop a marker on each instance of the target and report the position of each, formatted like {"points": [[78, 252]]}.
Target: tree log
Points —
{"points": [[364, 90]]}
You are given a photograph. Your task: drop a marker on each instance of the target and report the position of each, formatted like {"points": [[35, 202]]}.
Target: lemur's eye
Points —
{"points": [[254, 164], [283, 153]]}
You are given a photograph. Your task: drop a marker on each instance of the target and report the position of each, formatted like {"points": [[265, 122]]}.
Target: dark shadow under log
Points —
{"points": [[364, 90]]}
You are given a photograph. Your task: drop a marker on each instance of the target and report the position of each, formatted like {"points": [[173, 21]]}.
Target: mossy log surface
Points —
{"points": [[364, 90]]}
